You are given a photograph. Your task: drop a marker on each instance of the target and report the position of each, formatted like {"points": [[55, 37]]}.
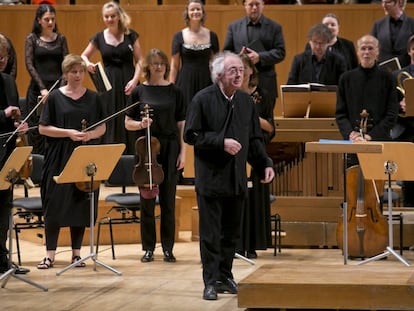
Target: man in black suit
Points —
{"points": [[261, 39], [317, 65], [393, 32]]}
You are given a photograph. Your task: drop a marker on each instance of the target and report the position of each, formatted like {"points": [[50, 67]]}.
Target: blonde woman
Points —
{"points": [[121, 54]]}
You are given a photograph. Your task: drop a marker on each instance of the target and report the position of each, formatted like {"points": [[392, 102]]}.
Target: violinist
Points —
{"points": [[61, 122], [167, 124], [9, 106]]}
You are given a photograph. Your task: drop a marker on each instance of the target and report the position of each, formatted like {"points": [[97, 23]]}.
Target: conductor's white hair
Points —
{"points": [[217, 65]]}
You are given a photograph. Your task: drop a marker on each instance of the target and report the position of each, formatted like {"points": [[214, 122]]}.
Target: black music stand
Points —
{"points": [[89, 163], [392, 164], [9, 174]]}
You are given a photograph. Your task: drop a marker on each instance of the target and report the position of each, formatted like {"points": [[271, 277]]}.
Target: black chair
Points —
{"points": [[277, 244], [127, 204], [29, 208]]}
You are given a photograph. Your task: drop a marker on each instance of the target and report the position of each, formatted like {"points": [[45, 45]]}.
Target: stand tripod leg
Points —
{"points": [[389, 169], [92, 254], [244, 258], [11, 272]]}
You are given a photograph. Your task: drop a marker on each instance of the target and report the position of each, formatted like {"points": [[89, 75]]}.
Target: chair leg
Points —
{"points": [[278, 235], [112, 237], [401, 234], [16, 231], [97, 238]]}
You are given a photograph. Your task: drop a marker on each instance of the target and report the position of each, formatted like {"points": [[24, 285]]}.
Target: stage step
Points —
{"points": [[388, 285]]}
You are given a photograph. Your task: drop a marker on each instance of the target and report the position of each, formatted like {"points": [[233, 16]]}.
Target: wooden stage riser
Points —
{"points": [[367, 287]]}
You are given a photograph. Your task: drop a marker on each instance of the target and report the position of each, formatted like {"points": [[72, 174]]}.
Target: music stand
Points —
{"points": [[392, 162], [345, 147], [322, 104], [9, 174], [89, 163], [409, 97]]}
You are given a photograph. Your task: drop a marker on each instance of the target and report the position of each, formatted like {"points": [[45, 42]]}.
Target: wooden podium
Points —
{"points": [[345, 147]]}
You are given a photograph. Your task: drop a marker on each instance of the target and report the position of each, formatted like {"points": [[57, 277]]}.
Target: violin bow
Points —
{"points": [[110, 117], [31, 112]]}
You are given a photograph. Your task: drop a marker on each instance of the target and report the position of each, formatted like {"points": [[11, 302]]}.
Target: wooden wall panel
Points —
{"points": [[157, 24]]}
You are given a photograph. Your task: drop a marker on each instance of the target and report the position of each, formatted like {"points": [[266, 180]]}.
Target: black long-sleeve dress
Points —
{"points": [[43, 62]]}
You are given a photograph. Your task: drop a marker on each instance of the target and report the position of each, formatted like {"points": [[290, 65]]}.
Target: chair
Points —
{"points": [[125, 203], [277, 244], [29, 208]]}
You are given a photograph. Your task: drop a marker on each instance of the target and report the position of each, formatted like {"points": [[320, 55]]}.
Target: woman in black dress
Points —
{"points": [[61, 122], [167, 124], [192, 49], [121, 54], [45, 49], [256, 228]]}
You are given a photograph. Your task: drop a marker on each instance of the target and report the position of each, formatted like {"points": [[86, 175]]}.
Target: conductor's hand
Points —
{"points": [[269, 175], [232, 146]]}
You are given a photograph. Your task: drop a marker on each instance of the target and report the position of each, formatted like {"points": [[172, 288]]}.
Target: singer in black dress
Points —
{"points": [[45, 49], [61, 122], [121, 54]]}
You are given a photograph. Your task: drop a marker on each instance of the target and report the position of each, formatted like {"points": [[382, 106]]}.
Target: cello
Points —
{"points": [[367, 227], [147, 173]]}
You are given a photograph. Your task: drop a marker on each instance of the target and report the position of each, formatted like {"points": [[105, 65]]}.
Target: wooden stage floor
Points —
{"points": [[305, 276]]}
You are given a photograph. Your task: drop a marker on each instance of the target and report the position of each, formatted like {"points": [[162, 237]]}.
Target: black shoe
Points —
{"points": [[20, 270], [251, 254], [148, 256], [4, 263], [210, 293], [227, 285], [169, 257]]}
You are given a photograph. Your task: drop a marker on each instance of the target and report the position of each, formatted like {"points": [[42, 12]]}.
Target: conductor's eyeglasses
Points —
{"points": [[234, 70]]}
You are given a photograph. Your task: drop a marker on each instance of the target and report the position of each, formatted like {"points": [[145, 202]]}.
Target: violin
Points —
{"points": [[367, 227], [27, 167], [85, 186], [147, 173]]}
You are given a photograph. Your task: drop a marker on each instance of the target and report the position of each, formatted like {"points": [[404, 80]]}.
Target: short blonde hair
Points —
{"points": [[71, 60]]}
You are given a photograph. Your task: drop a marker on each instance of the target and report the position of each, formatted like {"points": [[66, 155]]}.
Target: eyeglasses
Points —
{"points": [[158, 64], [234, 70], [319, 43]]}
